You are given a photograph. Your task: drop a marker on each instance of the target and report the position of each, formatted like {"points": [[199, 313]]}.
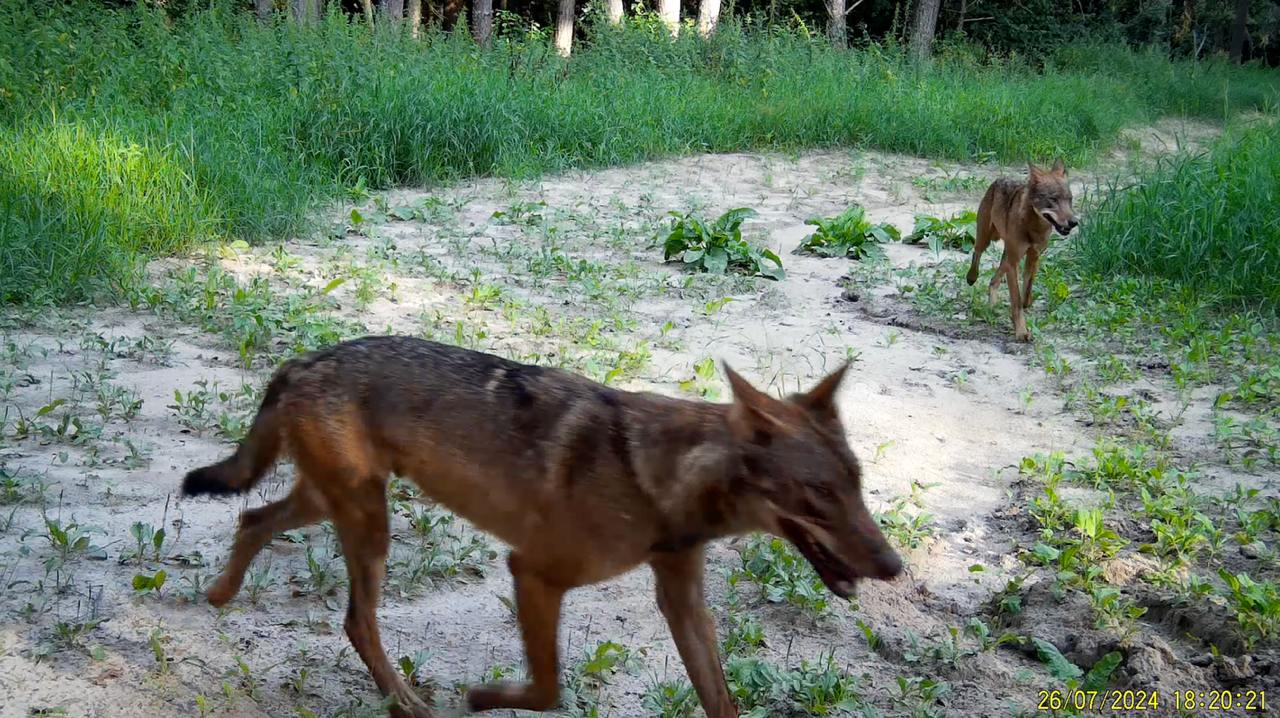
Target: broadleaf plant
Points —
{"points": [[718, 246], [958, 232], [848, 234]]}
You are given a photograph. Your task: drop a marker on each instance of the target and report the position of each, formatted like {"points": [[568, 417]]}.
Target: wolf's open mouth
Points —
{"points": [[836, 574], [1056, 227]]}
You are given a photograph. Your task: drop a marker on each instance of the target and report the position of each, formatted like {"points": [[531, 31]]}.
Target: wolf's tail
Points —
{"points": [[239, 472]]}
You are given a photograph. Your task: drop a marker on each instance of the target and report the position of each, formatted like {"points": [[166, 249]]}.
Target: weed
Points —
{"points": [[670, 699], [782, 575], [144, 584], [145, 538], [919, 697], [813, 689], [960, 231], [704, 382], [718, 246], [908, 527], [1254, 604], [849, 234]]}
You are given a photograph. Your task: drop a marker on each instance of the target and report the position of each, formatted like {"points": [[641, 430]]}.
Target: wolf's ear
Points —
{"points": [[821, 399], [753, 411], [1033, 172], [1059, 168]]}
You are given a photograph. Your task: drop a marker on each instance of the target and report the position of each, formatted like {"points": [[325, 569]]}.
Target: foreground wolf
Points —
{"points": [[1022, 213], [584, 482]]}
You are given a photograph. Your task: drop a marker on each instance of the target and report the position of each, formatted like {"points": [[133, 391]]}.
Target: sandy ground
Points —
{"points": [[946, 411]]}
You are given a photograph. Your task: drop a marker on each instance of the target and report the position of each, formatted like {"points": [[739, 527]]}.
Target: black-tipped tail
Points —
{"points": [[239, 472], [209, 481]]}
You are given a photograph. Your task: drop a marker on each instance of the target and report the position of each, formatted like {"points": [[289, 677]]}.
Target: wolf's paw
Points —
{"points": [[408, 705], [221, 593], [512, 695]]}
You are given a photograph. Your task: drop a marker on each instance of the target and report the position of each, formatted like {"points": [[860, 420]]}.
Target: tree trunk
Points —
{"points": [[415, 18], [564, 28], [614, 12], [1239, 28], [264, 9], [925, 26], [708, 15], [393, 11], [366, 8], [304, 11], [836, 29], [482, 20], [669, 11]]}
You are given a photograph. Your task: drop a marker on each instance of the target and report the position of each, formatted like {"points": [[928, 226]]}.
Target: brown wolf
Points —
{"points": [[584, 482], [1022, 213]]}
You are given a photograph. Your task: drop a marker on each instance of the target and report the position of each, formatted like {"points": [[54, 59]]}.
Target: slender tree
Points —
{"points": [[613, 9], [415, 18], [836, 28], [482, 20], [305, 11], [264, 9], [366, 7], [1239, 26], [564, 28], [708, 16], [925, 26], [669, 11]]}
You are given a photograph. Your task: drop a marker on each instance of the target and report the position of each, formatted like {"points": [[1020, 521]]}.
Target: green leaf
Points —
{"points": [[333, 284], [1045, 553], [1059, 666], [1099, 676], [716, 261], [50, 407]]}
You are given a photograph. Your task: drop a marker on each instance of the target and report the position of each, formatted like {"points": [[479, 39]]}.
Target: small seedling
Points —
{"points": [[144, 584]]}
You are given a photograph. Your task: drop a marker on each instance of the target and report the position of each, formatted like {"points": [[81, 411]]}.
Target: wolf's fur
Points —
{"points": [[583, 482], [1022, 214]]}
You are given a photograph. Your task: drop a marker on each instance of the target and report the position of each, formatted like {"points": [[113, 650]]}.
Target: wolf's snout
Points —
{"points": [[887, 564]]}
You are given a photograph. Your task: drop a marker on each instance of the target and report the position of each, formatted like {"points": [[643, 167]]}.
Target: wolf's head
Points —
{"points": [[797, 463], [1051, 197]]}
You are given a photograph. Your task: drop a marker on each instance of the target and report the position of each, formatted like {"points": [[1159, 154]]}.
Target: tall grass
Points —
{"points": [[218, 126], [1208, 222]]}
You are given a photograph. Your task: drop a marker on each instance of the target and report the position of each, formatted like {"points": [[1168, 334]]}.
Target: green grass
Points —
{"points": [[1205, 221], [124, 135]]}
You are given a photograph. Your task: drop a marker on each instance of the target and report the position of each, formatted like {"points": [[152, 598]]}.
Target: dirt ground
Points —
{"points": [[567, 272]]}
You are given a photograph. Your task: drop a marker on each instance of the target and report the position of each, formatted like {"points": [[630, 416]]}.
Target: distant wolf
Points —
{"points": [[582, 481], [1022, 213]]}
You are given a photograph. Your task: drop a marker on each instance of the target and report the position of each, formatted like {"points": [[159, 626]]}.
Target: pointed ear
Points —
{"points": [[1059, 168], [1033, 172], [753, 411], [821, 399]]}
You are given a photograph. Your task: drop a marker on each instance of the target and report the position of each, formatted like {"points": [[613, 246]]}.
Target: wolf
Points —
{"points": [[584, 482], [1022, 213]]}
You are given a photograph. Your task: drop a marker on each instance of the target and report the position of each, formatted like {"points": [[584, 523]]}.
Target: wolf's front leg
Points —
{"points": [[538, 611], [681, 600]]}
